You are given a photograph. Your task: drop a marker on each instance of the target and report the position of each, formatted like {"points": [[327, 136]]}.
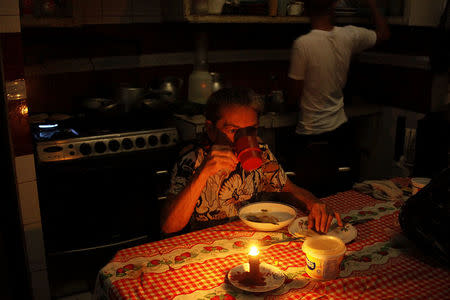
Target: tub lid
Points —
{"points": [[324, 245]]}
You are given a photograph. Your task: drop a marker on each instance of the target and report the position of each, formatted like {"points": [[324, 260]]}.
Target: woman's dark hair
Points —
{"points": [[231, 96], [318, 7]]}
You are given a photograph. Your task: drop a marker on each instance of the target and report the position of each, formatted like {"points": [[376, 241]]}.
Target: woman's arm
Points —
{"points": [[177, 210]]}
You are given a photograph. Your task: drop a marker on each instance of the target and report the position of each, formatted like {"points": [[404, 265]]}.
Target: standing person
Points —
{"points": [[318, 72], [209, 184]]}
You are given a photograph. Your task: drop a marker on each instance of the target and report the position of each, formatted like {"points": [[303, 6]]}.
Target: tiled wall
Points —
{"points": [[9, 16], [141, 54], [13, 68], [31, 218], [93, 60]]}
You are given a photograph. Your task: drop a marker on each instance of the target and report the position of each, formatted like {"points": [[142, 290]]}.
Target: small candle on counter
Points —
{"points": [[253, 261]]}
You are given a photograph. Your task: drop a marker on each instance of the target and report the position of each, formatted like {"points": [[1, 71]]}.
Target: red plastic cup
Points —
{"points": [[248, 152]]}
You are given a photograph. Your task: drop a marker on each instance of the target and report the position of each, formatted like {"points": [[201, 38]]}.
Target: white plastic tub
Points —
{"points": [[324, 255]]}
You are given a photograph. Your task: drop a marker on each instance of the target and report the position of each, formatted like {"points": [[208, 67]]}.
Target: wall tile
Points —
{"points": [[9, 24], [151, 9], [146, 19], [25, 169], [117, 8], [34, 242], [40, 286], [117, 19], [87, 11], [91, 8], [9, 8], [145, 7], [12, 53], [29, 202]]}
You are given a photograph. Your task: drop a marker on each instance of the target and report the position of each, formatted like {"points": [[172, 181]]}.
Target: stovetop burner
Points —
{"points": [[82, 125]]}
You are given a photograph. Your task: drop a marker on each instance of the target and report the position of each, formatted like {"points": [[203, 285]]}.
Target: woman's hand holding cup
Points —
{"points": [[221, 157]]}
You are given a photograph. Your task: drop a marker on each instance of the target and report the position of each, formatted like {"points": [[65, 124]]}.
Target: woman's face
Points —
{"points": [[233, 118]]}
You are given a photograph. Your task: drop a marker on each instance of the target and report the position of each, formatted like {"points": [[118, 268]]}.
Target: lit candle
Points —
{"points": [[253, 261]]}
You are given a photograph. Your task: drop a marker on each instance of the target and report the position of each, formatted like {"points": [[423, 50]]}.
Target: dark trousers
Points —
{"points": [[323, 162]]}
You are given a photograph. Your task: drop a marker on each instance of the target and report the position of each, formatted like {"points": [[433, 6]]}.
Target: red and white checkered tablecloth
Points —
{"points": [[195, 265]]}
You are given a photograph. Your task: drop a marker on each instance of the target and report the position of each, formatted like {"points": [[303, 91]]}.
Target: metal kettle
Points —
{"points": [[170, 88], [217, 82]]}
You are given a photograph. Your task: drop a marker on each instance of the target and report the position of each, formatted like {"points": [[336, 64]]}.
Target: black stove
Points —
{"points": [[101, 179], [83, 136]]}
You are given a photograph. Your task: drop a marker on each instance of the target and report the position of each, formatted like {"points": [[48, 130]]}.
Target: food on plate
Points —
{"points": [[267, 216], [262, 218]]}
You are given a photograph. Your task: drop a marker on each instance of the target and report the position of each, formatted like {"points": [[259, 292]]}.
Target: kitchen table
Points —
{"points": [[195, 265]]}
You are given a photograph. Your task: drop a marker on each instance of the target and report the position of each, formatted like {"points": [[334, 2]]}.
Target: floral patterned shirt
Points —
{"points": [[223, 195]]}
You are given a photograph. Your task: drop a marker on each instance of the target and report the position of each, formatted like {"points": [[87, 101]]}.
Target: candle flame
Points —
{"points": [[254, 251]]}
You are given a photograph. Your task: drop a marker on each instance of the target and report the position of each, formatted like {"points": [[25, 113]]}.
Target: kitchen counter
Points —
{"points": [[361, 110], [267, 120], [189, 126]]}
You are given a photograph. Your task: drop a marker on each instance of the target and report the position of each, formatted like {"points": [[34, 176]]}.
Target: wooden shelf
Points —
{"points": [[367, 20], [30, 21], [287, 19], [245, 19]]}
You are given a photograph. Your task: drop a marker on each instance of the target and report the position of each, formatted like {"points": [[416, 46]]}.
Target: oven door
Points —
{"points": [[103, 201]]}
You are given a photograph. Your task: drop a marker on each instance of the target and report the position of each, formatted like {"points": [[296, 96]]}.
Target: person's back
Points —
{"points": [[318, 72], [325, 58]]}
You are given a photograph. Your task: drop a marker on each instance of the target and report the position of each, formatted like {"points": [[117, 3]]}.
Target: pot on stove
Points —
{"points": [[99, 104], [170, 88], [129, 96], [154, 104], [98, 108]]}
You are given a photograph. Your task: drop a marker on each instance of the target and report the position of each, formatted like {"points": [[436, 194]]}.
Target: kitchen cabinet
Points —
{"points": [[83, 12], [116, 11], [412, 12]]}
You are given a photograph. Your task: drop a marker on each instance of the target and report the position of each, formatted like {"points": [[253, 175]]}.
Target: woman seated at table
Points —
{"points": [[209, 184]]}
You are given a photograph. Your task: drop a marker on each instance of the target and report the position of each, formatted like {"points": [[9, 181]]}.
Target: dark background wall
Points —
{"points": [[61, 92]]}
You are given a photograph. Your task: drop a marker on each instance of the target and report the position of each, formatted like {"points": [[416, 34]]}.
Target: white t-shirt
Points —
{"points": [[321, 59]]}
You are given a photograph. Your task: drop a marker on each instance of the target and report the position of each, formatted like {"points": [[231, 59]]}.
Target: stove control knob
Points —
{"points": [[165, 139], [113, 145], [127, 144], [140, 142], [100, 147], [152, 140], [85, 149]]}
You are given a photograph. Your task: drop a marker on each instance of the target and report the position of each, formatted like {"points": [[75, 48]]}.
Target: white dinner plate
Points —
{"points": [[273, 278], [280, 214], [299, 227]]}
